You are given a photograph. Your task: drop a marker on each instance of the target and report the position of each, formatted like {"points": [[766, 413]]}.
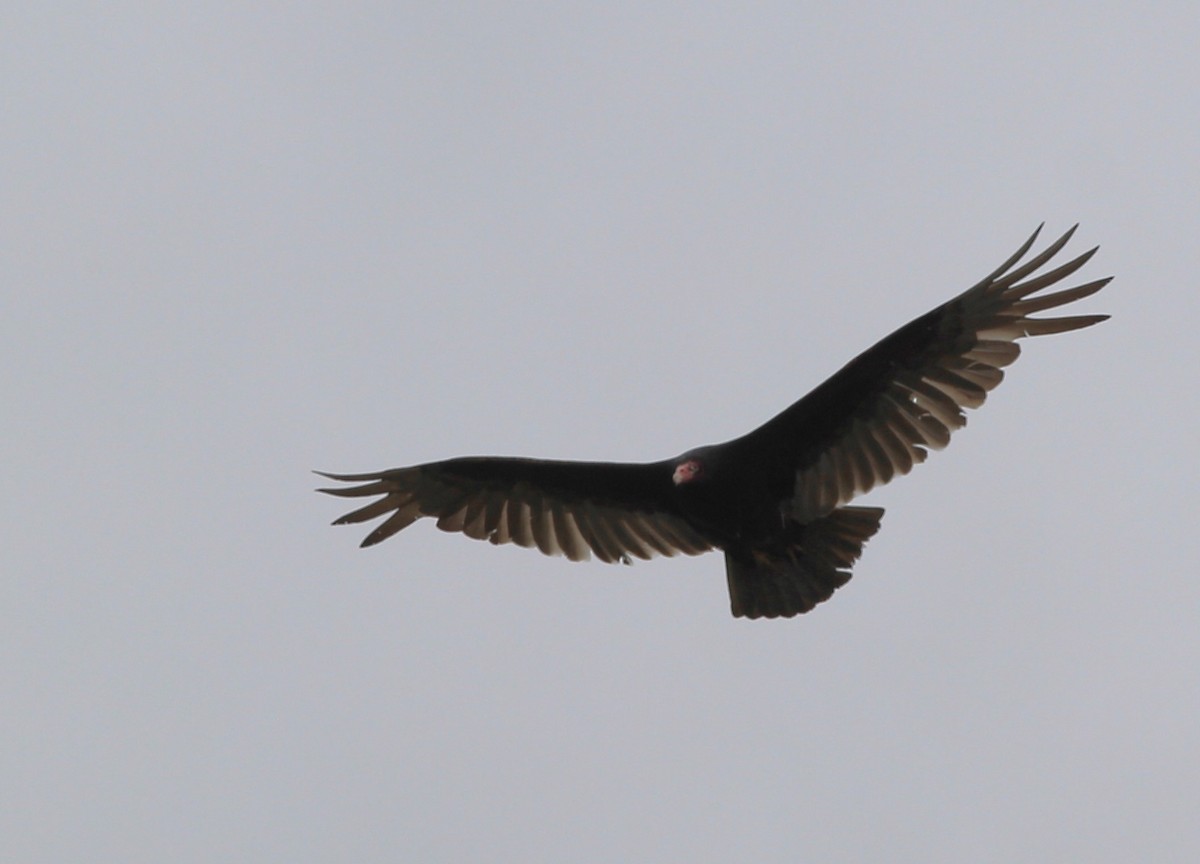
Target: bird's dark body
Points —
{"points": [[774, 499], [737, 501]]}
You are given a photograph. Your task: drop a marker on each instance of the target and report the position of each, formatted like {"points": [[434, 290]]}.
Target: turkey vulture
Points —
{"points": [[774, 499]]}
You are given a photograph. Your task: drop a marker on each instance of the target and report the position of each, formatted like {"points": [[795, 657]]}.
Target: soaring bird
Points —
{"points": [[773, 500]]}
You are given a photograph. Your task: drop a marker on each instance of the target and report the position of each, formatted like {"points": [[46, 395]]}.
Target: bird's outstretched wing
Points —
{"points": [[881, 413], [614, 510]]}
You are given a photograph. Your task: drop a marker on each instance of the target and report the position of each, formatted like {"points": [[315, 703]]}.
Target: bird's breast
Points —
{"points": [[732, 509]]}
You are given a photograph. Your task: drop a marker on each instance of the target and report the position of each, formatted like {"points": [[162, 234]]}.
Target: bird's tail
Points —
{"points": [[802, 568]]}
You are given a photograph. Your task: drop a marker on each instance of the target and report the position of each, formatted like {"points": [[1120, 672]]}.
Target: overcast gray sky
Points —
{"points": [[242, 241]]}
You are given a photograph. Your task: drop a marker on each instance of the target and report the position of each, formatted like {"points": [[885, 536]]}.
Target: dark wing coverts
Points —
{"points": [[574, 509], [881, 413]]}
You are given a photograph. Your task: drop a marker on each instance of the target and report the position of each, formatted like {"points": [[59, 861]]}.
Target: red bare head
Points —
{"points": [[687, 471]]}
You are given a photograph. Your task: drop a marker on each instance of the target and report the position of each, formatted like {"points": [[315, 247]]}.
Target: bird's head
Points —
{"points": [[687, 471]]}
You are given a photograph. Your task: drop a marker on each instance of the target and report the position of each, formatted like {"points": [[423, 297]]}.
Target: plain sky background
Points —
{"points": [[242, 241]]}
